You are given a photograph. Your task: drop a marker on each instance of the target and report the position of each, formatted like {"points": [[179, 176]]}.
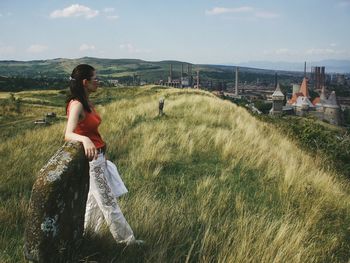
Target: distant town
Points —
{"points": [[324, 104]]}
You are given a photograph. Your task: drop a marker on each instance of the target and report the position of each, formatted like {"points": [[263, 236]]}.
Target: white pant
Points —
{"points": [[102, 204]]}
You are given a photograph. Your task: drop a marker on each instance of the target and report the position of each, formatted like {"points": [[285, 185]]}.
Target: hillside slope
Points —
{"points": [[207, 182]]}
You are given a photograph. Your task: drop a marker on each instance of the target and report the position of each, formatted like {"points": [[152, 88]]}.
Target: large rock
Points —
{"points": [[57, 205]]}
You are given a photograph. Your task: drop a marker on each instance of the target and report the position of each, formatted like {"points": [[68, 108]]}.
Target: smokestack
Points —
{"points": [[182, 75], [323, 77], [318, 78], [305, 69], [236, 82], [313, 75], [275, 80], [197, 79], [189, 73]]}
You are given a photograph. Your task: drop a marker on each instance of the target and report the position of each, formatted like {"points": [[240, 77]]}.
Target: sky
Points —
{"points": [[196, 31]]}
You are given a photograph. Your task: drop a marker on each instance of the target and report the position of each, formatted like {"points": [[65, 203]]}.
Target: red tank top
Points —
{"points": [[89, 126]]}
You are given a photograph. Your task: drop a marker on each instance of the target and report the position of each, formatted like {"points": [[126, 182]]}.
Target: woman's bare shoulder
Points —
{"points": [[75, 104]]}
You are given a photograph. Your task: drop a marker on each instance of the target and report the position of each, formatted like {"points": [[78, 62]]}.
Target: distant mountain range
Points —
{"points": [[107, 66], [332, 65], [50, 73], [130, 68]]}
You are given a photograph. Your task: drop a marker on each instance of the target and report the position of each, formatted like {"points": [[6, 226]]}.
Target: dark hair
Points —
{"points": [[77, 92]]}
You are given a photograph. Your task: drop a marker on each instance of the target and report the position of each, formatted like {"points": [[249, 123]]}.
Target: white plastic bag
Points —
{"points": [[114, 180]]}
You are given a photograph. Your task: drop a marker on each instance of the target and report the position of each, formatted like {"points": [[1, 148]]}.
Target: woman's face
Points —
{"points": [[92, 84]]}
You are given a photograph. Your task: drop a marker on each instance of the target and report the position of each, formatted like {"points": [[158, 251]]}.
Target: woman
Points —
{"points": [[82, 125]]}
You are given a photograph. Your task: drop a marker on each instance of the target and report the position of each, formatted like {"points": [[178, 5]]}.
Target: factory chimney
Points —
{"points": [[198, 79], [318, 78], [275, 80], [182, 75], [189, 73], [171, 73], [236, 81], [182, 70], [323, 77]]}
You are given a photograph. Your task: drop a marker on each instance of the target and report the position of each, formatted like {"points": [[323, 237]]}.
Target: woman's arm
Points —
{"points": [[75, 109]]}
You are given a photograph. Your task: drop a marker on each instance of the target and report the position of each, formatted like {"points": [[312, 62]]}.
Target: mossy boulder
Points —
{"points": [[55, 222]]}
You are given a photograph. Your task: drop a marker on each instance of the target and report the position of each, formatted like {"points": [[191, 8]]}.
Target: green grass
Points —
{"points": [[317, 137], [207, 183]]}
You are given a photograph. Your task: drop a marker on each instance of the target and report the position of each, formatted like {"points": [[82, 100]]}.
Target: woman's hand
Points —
{"points": [[90, 149]]}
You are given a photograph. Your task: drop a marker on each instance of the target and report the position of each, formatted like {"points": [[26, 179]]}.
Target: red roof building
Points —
{"points": [[304, 89]]}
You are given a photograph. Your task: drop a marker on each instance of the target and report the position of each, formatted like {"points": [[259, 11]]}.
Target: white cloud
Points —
{"points": [[225, 10], [7, 14], [110, 13], [85, 47], [115, 17], [6, 50], [248, 10], [283, 51], [333, 44], [321, 51], [108, 10], [36, 48], [75, 10], [130, 48], [328, 53], [267, 15]]}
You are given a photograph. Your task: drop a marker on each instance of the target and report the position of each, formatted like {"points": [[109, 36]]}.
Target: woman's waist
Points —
{"points": [[92, 134], [95, 138], [102, 149]]}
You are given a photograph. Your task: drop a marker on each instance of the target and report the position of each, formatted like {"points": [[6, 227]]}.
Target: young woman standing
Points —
{"points": [[82, 125]]}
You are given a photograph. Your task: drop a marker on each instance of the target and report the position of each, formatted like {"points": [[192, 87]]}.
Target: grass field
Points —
{"points": [[207, 183]]}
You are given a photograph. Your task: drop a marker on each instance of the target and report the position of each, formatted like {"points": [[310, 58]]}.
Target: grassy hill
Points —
{"points": [[207, 183]]}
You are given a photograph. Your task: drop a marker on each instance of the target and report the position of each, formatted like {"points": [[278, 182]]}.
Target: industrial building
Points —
{"points": [[185, 80]]}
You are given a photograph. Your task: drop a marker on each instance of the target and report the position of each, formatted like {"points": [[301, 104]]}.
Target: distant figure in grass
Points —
{"points": [[82, 125], [161, 106]]}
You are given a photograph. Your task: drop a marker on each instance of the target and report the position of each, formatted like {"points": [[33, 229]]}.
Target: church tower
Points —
{"points": [[277, 101], [332, 110]]}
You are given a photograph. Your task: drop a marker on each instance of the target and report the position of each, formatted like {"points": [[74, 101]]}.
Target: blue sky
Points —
{"points": [[198, 31]]}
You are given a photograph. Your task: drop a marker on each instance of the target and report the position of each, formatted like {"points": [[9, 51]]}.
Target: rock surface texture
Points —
{"points": [[55, 222]]}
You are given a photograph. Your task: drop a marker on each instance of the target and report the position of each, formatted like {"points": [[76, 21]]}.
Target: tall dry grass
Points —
{"points": [[207, 181]]}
